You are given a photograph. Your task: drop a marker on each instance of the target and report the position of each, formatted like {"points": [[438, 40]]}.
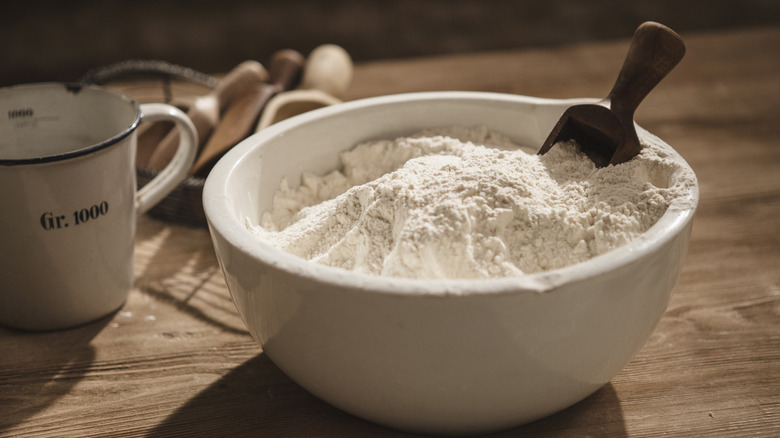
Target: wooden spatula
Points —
{"points": [[240, 118], [206, 111], [605, 130]]}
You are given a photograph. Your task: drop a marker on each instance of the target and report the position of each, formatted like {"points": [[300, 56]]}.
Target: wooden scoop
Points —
{"points": [[206, 110], [240, 118], [605, 130], [326, 76]]}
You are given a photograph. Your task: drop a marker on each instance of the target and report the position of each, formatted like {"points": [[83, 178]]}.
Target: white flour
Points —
{"points": [[442, 205]]}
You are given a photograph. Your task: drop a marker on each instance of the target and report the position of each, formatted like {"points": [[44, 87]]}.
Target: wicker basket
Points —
{"points": [[184, 205]]}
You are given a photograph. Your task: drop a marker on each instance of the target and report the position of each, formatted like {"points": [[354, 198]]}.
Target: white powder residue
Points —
{"points": [[467, 203]]}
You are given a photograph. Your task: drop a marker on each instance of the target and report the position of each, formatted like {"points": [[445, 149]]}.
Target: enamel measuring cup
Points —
{"points": [[68, 199]]}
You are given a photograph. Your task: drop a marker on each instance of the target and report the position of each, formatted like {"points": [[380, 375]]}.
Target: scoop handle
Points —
{"points": [[655, 50]]}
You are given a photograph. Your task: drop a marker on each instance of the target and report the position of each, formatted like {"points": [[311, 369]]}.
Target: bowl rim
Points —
{"points": [[218, 211]]}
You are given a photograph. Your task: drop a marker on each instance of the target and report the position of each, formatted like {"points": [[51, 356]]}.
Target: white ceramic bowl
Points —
{"points": [[444, 356]]}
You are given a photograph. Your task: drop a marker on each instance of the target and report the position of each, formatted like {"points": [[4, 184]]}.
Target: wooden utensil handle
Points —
{"points": [[245, 76], [242, 114], [655, 50], [285, 69]]}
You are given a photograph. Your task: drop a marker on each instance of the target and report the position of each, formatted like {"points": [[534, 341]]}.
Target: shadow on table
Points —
{"points": [[257, 399], [38, 368], [177, 267]]}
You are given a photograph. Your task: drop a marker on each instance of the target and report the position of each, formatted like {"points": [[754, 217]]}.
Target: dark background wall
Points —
{"points": [[61, 40]]}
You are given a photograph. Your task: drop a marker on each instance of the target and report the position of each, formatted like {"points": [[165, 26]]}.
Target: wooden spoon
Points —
{"points": [[206, 110], [326, 76], [605, 130], [241, 116]]}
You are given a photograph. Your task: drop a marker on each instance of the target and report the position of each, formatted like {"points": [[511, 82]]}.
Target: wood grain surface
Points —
{"points": [[177, 361]]}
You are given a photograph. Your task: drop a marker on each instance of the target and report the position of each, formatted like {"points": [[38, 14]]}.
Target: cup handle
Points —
{"points": [[177, 169]]}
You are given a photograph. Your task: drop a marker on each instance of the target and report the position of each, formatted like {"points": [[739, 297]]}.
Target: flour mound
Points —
{"points": [[467, 203]]}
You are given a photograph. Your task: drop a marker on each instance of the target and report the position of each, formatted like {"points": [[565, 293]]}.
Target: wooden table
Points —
{"points": [[177, 361]]}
